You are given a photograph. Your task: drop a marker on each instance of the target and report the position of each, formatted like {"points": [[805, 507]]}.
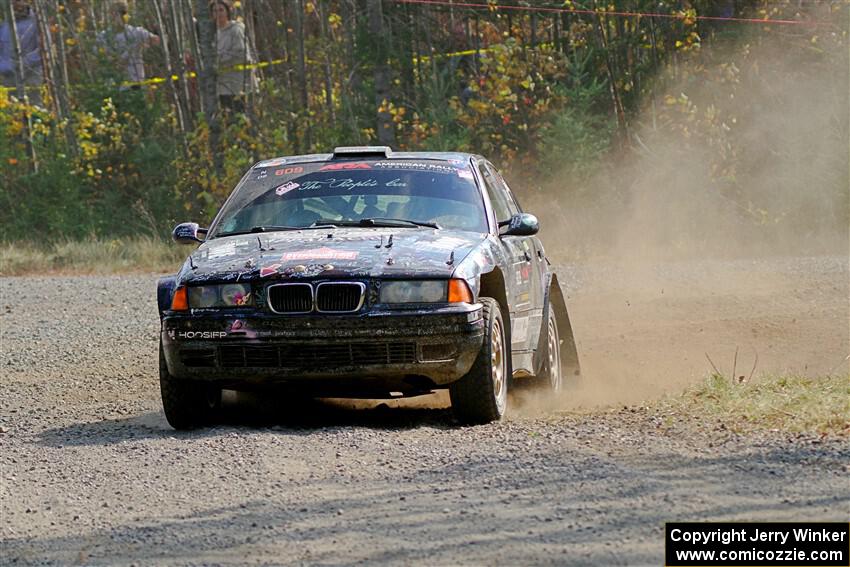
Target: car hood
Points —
{"points": [[338, 252]]}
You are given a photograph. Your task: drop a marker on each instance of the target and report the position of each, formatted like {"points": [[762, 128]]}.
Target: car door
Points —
{"points": [[533, 270], [518, 278]]}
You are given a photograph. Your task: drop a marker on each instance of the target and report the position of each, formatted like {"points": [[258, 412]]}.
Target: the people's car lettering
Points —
{"points": [[410, 273]]}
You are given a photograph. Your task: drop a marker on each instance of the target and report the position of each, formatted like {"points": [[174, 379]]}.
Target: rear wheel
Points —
{"points": [[187, 403], [481, 396], [553, 375]]}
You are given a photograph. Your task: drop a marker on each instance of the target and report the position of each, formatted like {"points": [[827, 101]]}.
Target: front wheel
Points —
{"points": [[187, 403], [481, 396]]}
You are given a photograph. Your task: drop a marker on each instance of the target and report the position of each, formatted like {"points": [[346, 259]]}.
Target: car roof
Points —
{"points": [[308, 158]]}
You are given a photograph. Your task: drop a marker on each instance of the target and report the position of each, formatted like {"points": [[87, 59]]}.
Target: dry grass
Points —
{"points": [[91, 256], [785, 403]]}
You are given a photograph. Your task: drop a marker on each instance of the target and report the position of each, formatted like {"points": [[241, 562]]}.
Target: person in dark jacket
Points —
{"points": [[127, 42]]}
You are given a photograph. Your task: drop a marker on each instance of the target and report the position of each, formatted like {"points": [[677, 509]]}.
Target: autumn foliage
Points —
{"points": [[538, 92]]}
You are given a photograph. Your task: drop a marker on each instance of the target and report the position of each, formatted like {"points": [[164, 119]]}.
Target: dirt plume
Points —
{"points": [[692, 244], [751, 163]]}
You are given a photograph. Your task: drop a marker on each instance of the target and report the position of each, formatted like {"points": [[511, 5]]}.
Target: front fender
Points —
{"points": [[482, 260], [164, 292]]}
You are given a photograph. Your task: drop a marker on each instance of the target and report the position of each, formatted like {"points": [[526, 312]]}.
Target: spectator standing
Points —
{"points": [[28, 38], [233, 49], [127, 43]]}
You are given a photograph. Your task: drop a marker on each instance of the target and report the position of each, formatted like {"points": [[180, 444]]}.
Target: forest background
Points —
{"points": [[577, 101]]}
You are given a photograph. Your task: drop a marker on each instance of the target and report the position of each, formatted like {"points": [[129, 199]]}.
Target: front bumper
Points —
{"points": [[346, 355]]}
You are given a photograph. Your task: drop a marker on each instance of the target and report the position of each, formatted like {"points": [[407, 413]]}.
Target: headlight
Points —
{"points": [[236, 295], [424, 291], [203, 296], [229, 295]]}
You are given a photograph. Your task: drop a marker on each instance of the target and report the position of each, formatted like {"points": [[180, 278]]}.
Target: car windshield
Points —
{"points": [[362, 193]]}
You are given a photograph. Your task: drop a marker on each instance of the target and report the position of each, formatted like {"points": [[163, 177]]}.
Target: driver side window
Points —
{"points": [[503, 188], [501, 205]]}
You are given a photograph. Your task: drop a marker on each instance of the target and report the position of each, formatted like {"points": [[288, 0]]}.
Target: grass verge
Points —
{"points": [[785, 403], [91, 256]]}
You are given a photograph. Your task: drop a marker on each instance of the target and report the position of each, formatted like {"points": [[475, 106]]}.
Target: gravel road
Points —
{"points": [[90, 473]]}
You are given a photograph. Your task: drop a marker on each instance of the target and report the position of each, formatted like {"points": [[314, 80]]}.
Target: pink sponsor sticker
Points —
{"points": [[286, 188], [269, 270]]}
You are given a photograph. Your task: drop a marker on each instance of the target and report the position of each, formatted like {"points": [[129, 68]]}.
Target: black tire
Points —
{"points": [[188, 404], [481, 396], [551, 378]]}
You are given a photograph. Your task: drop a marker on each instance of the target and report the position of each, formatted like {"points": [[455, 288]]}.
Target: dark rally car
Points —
{"points": [[365, 273]]}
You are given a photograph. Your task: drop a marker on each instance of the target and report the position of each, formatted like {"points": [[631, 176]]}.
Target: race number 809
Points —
{"points": [[289, 170]]}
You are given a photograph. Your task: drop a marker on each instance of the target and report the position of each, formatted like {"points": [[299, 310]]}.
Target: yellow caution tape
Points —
{"points": [[260, 65]]}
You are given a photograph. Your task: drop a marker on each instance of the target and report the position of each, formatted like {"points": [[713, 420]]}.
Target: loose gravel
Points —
{"points": [[91, 474]]}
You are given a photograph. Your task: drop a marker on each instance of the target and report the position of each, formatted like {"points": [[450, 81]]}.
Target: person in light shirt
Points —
{"points": [[127, 43], [233, 49]]}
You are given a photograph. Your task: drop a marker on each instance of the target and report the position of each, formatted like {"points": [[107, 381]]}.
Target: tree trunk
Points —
{"points": [[304, 111], [173, 86], [292, 124], [416, 26], [207, 77], [326, 42], [354, 83], [556, 34], [62, 83], [477, 44], [533, 29], [566, 28], [177, 45], [73, 18], [91, 15], [193, 95], [653, 83], [385, 130], [45, 49], [408, 57], [619, 111], [251, 39]]}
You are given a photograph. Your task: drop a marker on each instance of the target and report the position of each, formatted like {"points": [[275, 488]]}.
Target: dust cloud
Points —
{"points": [[668, 260], [768, 175], [668, 263]]}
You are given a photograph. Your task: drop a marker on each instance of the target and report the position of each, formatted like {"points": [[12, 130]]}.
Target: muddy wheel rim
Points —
{"points": [[554, 344], [497, 365]]}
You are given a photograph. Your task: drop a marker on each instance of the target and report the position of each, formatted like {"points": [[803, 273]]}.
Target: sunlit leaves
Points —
{"points": [[512, 100]]}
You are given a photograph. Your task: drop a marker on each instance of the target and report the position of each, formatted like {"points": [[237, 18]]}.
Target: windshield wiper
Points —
{"points": [[384, 221], [375, 221], [330, 223], [256, 229]]}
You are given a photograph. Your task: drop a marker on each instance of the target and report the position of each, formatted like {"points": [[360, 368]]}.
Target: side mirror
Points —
{"points": [[523, 224], [188, 233]]}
